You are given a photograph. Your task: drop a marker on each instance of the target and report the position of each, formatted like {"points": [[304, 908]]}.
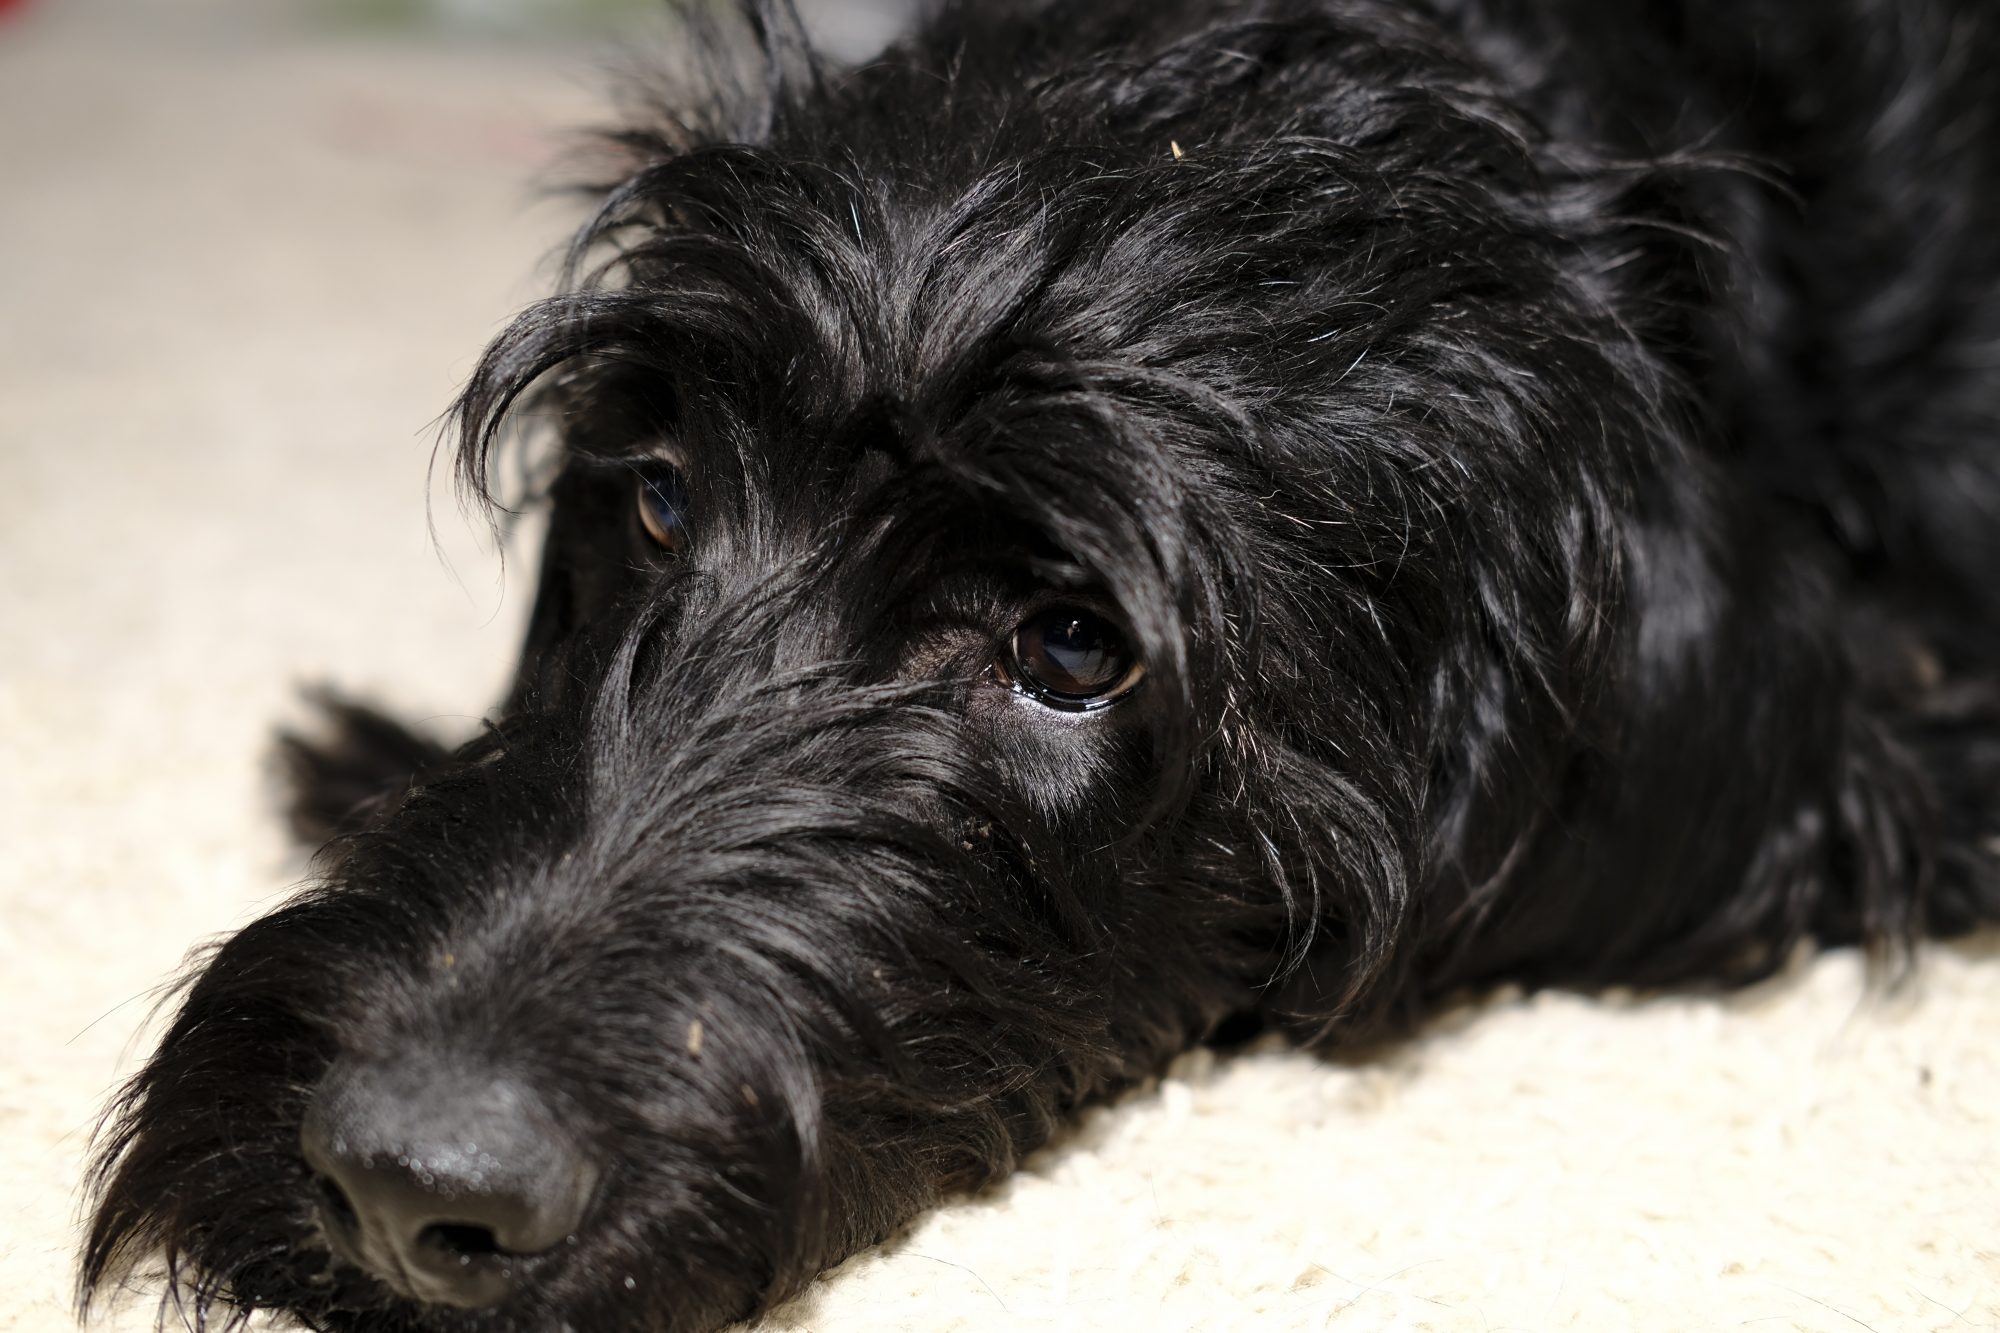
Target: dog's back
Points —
{"points": [[1850, 339], [1837, 313]]}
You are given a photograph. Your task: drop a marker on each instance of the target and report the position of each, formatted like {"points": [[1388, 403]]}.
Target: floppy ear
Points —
{"points": [[567, 581], [358, 759]]}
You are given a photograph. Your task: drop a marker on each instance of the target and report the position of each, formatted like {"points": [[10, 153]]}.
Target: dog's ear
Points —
{"points": [[355, 762], [568, 576]]}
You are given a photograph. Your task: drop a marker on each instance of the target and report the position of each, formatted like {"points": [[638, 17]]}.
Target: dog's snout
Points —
{"points": [[446, 1187]]}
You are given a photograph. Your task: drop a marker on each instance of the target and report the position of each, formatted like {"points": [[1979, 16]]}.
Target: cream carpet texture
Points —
{"points": [[241, 273]]}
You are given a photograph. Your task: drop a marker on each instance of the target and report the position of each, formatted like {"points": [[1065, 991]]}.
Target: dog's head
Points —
{"points": [[1026, 531]]}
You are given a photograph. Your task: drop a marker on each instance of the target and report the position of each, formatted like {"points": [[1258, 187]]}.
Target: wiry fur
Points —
{"points": [[1544, 453]]}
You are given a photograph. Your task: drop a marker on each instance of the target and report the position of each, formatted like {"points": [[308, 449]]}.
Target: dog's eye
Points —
{"points": [[663, 506], [1070, 657]]}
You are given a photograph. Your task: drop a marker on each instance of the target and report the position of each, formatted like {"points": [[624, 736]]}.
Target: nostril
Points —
{"points": [[445, 1186], [455, 1238]]}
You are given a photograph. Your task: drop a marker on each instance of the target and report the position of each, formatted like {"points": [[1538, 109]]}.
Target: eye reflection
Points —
{"points": [[1071, 658]]}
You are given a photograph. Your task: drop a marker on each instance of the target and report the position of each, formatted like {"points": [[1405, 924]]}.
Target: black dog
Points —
{"points": [[1109, 522]]}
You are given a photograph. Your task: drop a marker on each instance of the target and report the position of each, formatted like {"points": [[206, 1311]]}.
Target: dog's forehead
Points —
{"points": [[834, 322]]}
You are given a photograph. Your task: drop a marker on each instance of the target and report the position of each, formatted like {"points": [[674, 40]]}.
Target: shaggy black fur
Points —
{"points": [[1539, 458]]}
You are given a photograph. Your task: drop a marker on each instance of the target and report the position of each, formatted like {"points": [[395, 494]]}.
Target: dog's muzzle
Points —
{"points": [[445, 1186]]}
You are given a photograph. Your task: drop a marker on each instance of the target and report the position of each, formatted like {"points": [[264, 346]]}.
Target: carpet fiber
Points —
{"points": [[240, 276]]}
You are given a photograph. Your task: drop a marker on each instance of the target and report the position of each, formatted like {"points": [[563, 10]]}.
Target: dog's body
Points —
{"points": [[1099, 524]]}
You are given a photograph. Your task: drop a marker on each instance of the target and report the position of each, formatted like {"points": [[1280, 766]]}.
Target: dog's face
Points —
{"points": [[1006, 595]]}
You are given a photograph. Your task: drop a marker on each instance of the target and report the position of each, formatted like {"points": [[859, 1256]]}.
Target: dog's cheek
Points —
{"points": [[1074, 771]]}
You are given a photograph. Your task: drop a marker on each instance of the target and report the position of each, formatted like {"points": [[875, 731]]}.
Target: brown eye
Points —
{"points": [[663, 506], [1070, 657]]}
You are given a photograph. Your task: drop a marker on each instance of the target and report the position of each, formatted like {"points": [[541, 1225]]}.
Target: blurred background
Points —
{"points": [[847, 28]]}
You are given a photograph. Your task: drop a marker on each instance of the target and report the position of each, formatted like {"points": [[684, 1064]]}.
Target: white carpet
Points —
{"points": [[238, 279]]}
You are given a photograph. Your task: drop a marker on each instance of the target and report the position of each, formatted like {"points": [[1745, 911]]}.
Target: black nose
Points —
{"points": [[442, 1185]]}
